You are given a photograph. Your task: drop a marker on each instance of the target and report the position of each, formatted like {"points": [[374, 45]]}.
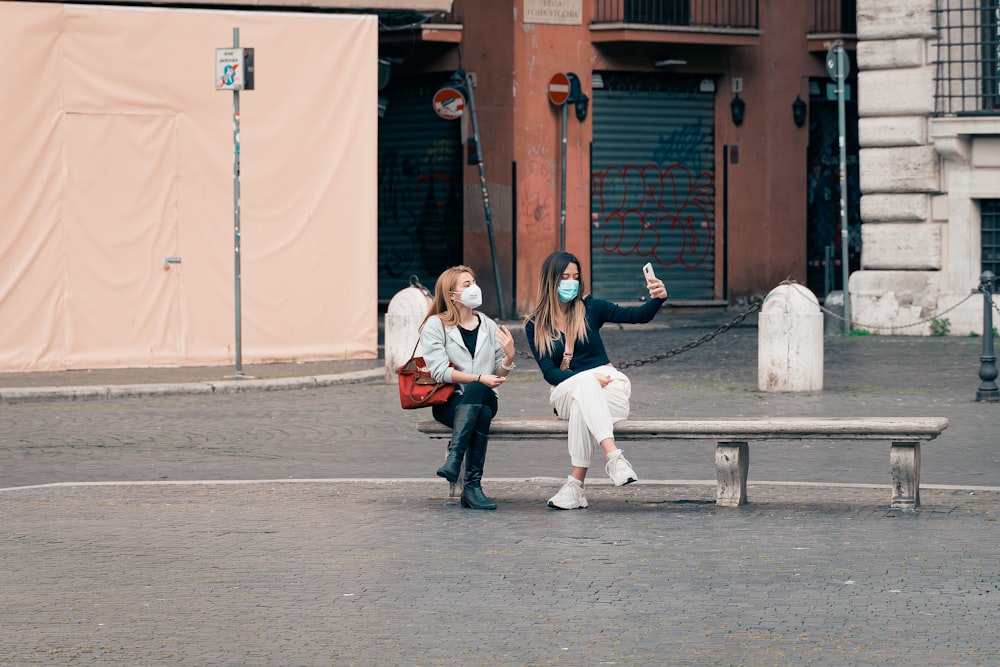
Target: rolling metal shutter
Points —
{"points": [[419, 187], [653, 185]]}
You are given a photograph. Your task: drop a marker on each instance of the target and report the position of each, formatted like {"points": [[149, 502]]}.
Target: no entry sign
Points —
{"points": [[559, 89], [449, 103]]}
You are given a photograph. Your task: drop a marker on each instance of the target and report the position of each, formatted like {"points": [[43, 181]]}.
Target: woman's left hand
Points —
{"points": [[506, 341], [656, 288], [492, 381]]}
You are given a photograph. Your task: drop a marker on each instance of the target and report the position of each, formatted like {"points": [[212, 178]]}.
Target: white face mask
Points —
{"points": [[472, 297]]}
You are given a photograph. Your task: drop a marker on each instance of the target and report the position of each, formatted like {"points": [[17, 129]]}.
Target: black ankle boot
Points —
{"points": [[452, 466], [462, 432], [474, 499], [472, 493]]}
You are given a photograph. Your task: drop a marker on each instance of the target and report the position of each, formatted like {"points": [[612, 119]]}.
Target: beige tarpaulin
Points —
{"points": [[118, 154], [430, 6]]}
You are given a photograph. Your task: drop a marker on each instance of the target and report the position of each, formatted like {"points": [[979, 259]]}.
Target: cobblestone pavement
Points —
{"points": [[350, 553], [391, 573], [358, 430]]}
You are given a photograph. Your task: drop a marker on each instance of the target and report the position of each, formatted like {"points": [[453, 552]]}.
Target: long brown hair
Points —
{"points": [[547, 304], [441, 304]]}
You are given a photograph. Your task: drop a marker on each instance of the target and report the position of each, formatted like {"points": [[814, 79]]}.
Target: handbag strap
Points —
{"points": [[439, 385], [413, 353], [567, 353], [443, 330], [429, 396]]}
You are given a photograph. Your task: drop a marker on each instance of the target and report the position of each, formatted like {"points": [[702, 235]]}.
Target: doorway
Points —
{"points": [[824, 272]]}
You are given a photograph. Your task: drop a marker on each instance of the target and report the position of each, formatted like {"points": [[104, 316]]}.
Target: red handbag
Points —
{"points": [[417, 389]]}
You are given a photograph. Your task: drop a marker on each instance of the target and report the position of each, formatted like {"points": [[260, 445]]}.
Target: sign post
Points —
{"points": [[469, 85], [449, 103], [838, 67], [558, 95], [234, 71]]}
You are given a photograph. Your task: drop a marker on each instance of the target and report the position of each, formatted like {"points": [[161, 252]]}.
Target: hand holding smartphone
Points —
{"points": [[647, 270]]}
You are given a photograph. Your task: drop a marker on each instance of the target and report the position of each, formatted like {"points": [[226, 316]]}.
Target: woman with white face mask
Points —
{"points": [[587, 390], [482, 352]]}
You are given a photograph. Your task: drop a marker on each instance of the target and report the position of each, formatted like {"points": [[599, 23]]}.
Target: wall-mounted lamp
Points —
{"points": [[457, 79], [799, 111], [384, 71], [739, 109]]}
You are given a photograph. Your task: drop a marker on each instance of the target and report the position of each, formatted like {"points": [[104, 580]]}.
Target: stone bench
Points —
{"points": [[732, 453]]}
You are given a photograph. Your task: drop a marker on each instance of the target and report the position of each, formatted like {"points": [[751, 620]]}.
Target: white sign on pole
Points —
{"points": [[230, 70]]}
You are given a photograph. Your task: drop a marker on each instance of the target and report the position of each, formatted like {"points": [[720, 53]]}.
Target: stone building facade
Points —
{"points": [[929, 135]]}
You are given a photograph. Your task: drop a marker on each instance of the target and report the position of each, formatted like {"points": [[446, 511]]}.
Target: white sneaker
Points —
{"points": [[619, 469], [570, 496]]}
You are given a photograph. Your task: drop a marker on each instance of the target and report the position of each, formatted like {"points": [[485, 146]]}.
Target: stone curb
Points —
{"points": [[436, 482], [109, 392]]}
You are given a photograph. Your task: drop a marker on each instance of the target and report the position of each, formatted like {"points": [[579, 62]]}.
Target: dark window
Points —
{"points": [[968, 57], [722, 14], [835, 16], [990, 215], [657, 12]]}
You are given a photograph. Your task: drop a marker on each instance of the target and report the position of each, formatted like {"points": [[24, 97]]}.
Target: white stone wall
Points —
{"points": [[920, 180]]}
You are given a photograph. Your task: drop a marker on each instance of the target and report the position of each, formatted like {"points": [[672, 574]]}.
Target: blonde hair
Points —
{"points": [[548, 305], [441, 305]]}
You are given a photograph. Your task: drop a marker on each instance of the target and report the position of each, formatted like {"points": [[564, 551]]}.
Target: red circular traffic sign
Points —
{"points": [[449, 103], [559, 89]]}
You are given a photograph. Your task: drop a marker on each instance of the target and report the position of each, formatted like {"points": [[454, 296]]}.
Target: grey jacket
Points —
{"points": [[442, 344]]}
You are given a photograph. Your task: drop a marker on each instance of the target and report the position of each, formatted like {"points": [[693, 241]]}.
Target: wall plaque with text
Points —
{"points": [[562, 12]]}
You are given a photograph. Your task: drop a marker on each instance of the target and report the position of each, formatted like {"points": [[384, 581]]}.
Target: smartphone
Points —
{"points": [[647, 269]]}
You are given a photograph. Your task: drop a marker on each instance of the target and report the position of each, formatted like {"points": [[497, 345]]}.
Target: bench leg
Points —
{"points": [[904, 462], [732, 463], [455, 489]]}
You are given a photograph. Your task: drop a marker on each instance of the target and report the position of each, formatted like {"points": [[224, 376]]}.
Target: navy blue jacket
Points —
{"points": [[589, 354]]}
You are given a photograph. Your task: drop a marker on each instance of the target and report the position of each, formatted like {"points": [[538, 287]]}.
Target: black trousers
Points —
{"points": [[476, 393]]}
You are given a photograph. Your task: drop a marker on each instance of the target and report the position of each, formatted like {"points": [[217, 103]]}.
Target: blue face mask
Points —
{"points": [[568, 289]]}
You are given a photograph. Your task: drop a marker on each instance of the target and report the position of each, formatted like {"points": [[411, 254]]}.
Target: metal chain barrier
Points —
{"points": [[891, 327], [415, 282], [754, 307]]}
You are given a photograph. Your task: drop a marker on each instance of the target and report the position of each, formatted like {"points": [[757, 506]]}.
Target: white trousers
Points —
{"points": [[591, 409]]}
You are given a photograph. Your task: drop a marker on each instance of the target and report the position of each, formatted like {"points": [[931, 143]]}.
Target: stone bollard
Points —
{"points": [[834, 303], [406, 310], [790, 341]]}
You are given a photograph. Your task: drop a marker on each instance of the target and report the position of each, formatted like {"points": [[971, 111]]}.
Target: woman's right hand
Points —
{"points": [[657, 290]]}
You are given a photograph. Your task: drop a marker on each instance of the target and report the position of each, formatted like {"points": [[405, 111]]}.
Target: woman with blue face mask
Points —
{"points": [[483, 356], [564, 334]]}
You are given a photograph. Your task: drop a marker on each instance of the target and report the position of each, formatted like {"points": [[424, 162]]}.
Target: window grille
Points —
{"points": [[967, 81], [989, 211]]}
